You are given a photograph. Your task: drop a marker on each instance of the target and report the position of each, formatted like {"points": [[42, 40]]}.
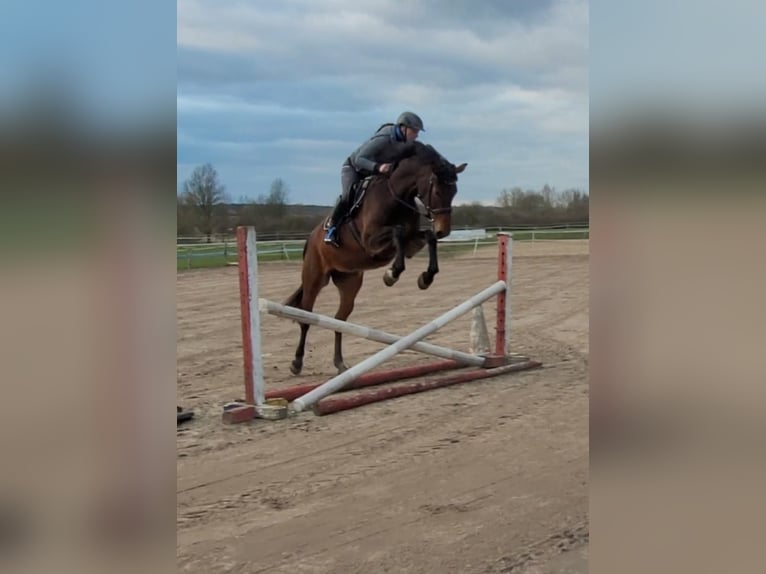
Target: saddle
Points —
{"points": [[356, 197], [358, 191]]}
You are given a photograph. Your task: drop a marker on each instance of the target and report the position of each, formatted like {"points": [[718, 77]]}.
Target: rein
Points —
{"points": [[429, 212]]}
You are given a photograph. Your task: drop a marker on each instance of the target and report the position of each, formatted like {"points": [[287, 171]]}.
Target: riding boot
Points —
{"points": [[335, 220]]}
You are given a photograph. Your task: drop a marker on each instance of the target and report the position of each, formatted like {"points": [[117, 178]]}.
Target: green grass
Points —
{"points": [[207, 261], [527, 235], [205, 256], [184, 264]]}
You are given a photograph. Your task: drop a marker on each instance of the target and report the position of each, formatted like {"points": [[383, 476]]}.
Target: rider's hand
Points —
{"points": [[384, 167]]}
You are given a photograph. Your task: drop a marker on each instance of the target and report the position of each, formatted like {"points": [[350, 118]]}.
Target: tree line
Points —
{"points": [[205, 210]]}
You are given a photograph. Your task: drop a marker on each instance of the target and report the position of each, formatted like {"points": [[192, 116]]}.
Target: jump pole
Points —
{"points": [[503, 321], [340, 381], [369, 379], [345, 401], [452, 359], [366, 332], [251, 322], [247, 257]]}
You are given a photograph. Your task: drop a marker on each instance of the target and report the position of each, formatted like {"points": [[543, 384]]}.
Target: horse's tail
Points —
{"points": [[295, 299]]}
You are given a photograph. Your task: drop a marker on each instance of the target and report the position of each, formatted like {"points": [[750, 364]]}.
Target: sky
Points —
{"points": [[289, 88]]}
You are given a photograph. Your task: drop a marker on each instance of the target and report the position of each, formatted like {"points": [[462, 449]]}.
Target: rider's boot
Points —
{"points": [[336, 218]]}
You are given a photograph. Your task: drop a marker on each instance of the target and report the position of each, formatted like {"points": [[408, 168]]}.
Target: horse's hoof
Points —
{"points": [[341, 367], [389, 279], [424, 282], [295, 368]]}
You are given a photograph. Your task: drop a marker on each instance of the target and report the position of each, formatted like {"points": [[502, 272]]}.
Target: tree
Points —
{"points": [[278, 192], [509, 197], [472, 215], [504, 200], [579, 207], [549, 195], [276, 201], [206, 197], [566, 197], [186, 221]]}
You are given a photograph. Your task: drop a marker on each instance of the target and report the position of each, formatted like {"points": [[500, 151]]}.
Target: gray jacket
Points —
{"points": [[383, 147]]}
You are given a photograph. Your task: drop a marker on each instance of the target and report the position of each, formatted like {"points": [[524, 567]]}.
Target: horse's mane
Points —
{"points": [[427, 154], [423, 154]]}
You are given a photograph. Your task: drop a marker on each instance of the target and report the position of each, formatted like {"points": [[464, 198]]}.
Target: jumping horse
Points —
{"points": [[385, 227]]}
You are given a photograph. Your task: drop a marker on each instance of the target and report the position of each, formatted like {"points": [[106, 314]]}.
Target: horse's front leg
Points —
{"points": [[427, 277], [391, 275]]}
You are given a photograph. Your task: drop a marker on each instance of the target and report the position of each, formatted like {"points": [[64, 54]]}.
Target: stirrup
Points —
{"points": [[330, 236]]}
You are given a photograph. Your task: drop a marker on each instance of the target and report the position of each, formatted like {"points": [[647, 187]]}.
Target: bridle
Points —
{"points": [[432, 182], [422, 208]]}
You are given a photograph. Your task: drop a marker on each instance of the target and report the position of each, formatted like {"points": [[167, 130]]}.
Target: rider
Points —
{"points": [[376, 155]]}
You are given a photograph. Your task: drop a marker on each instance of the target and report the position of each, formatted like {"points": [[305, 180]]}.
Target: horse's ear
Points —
{"points": [[460, 168]]}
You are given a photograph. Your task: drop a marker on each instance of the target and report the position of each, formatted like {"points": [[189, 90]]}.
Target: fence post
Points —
{"points": [[251, 318]]}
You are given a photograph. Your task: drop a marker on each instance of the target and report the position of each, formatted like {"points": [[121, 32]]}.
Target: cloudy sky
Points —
{"points": [[288, 88]]}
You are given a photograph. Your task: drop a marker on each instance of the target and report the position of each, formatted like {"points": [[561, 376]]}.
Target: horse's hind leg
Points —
{"points": [[311, 288], [348, 285]]}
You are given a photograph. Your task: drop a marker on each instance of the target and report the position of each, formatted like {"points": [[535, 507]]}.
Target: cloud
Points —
{"points": [[288, 89]]}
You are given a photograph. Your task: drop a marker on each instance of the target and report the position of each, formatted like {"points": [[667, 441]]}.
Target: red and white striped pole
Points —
{"points": [[337, 403], [251, 322], [503, 321]]}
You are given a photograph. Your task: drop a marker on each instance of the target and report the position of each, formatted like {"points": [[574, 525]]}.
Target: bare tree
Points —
{"points": [[504, 199], [509, 197], [276, 201], [186, 220], [278, 192], [549, 195], [205, 195]]}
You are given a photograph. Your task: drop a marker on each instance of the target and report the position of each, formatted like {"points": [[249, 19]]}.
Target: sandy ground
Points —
{"points": [[487, 477]]}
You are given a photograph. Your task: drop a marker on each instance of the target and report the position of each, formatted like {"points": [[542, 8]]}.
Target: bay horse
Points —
{"points": [[384, 228]]}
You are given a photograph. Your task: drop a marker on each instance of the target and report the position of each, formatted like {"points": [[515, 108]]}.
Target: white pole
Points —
{"points": [[366, 332], [338, 382], [509, 275], [255, 318]]}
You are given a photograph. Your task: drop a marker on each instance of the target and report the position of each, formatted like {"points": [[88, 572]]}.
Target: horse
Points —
{"points": [[385, 227]]}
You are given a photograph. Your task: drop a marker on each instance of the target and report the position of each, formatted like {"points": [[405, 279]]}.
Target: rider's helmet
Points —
{"points": [[410, 120]]}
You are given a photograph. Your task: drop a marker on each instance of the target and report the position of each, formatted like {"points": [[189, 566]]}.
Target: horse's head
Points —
{"points": [[437, 188]]}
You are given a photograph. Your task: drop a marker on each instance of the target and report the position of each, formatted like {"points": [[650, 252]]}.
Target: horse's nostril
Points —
{"points": [[440, 234]]}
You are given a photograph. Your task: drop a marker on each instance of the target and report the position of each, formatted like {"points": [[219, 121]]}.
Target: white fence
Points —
{"points": [[292, 249]]}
